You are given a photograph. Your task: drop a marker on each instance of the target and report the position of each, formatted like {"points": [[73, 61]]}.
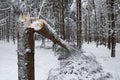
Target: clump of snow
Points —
{"points": [[28, 50]]}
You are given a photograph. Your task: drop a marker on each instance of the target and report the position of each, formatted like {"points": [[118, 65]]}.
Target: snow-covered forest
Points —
{"points": [[62, 39]]}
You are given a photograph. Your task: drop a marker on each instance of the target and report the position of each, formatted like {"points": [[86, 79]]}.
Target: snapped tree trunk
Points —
{"points": [[49, 33], [25, 54]]}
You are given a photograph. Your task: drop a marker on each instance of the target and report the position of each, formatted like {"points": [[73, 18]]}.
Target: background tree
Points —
{"points": [[67, 17], [113, 36], [79, 23]]}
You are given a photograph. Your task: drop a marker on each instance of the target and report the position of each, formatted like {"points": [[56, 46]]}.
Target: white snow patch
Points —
{"points": [[44, 61], [8, 61], [73, 6]]}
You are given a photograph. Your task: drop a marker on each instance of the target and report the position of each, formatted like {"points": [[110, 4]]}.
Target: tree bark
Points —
{"points": [[89, 28], [79, 24], [113, 36], [25, 54], [62, 27], [49, 33], [86, 28], [108, 2]]}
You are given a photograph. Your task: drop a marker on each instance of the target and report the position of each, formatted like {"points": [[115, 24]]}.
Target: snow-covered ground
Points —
{"points": [[103, 56], [45, 60], [8, 61]]}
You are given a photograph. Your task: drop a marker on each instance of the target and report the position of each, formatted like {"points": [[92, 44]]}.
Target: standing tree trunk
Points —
{"points": [[79, 24], [62, 21], [25, 54], [89, 28], [13, 27], [113, 36], [109, 25], [96, 38], [4, 27], [8, 26], [85, 31], [0, 32]]}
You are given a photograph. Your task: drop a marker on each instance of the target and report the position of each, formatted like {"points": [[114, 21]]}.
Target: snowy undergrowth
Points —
{"points": [[79, 67], [103, 56]]}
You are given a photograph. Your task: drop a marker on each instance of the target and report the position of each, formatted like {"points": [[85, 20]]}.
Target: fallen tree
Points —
{"points": [[42, 27], [48, 32], [79, 67]]}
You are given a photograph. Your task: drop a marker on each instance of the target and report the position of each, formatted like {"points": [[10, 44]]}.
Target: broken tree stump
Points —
{"points": [[25, 54]]}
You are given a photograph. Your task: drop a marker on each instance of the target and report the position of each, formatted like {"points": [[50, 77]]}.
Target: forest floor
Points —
{"points": [[45, 60], [103, 56]]}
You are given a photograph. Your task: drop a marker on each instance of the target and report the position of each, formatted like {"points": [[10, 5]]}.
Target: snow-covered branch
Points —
{"points": [[4, 19], [41, 7], [48, 21], [6, 8]]}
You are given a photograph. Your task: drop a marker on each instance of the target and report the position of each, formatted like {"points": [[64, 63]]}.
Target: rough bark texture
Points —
{"points": [[108, 2], [79, 24], [25, 54]]}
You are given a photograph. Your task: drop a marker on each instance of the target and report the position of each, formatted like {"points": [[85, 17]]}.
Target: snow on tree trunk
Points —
{"points": [[25, 54], [48, 32]]}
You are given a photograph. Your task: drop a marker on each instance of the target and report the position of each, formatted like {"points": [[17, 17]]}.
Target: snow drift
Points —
{"points": [[79, 67]]}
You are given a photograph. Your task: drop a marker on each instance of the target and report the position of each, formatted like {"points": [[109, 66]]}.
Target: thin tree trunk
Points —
{"points": [[109, 25], [8, 27], [85, 23], [79, 24], [109, 32], [96, 38], [113, 36], [89, 28], [62, 21], [98, 32], [4, 28], [13, 27]]}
